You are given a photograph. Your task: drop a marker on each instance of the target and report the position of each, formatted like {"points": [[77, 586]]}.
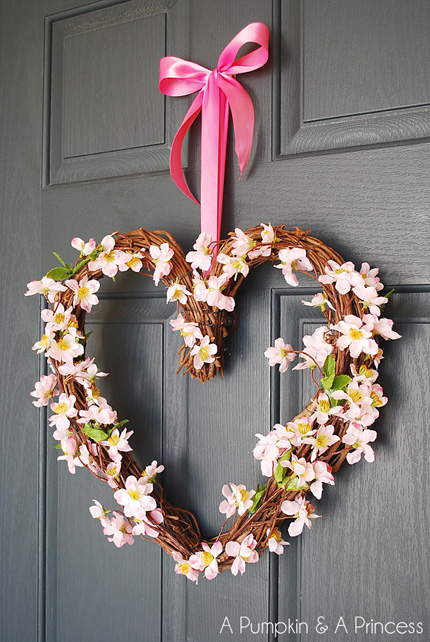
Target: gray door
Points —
{"points": [[342, 124]]}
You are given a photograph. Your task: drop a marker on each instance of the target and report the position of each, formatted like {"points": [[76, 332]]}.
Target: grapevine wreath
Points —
{"points": [[343, 357]]}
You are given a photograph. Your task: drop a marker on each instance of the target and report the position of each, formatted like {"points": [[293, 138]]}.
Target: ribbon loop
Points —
{"points": [[218, 93]]}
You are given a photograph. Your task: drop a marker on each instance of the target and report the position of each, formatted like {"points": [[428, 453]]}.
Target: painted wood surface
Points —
{"points": [[352, 165]]}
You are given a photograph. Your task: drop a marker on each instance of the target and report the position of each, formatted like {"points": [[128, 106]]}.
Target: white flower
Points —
{"points": [[189, 331], [135, 497], [202, 257], [177, 292], [203, 353], [161, 259], [293, 258], [281, 353], [343, 276]]}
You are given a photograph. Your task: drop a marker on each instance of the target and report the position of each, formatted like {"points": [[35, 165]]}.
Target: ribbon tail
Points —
{"points": [[242, 111], [176, 169]]}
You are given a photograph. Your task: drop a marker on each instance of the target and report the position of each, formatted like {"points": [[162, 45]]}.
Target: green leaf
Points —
{"points": [[120, 424], [281, 472], [382, 307], [96, 434], [58, 274], [61, 260], [57, 446], [294, 484], [329, 369], [257, 498], [339, 382]]}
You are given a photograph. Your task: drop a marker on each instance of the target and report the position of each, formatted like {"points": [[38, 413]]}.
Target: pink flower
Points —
{"points": [[293, 258], [44, 390], [325, 409], [343, 276], [302, 511], [131, 261], [44, 343], [268, 237], [100, 414], [152, 471], [146, 525], [109, 260], [119, 529], [160, 258], [203, 353], [275, 542], [112, 473], [65, 349], [300, 429], [177, 292], [135, 497], [183, 567], [189, 331], [300, 468], [238, 498], [322, 476], [215, 297], [59, 319], [206, 560], [322, 440], [359, 438], [64, 410], [357, 335], [281, 353], [199, 288], [87, 376], [71, 454], [244, 553], [270, 448], [244, 244], [48, 287], [233, 265], [202, 257], [84, 292], [319, 300], [98, 511], [369, 298], [118, 443], [370, 277], [383, 327], [317, 350], [84, 248]]}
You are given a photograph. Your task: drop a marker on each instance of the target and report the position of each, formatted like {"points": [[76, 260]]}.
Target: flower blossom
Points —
{"points": [[343, 276], [44, 390], [118, 443], [190, 331], [84, 248], [87, 375], [302, 511], [98, 511], [160, 258], [84, 292], [177, 292], [207, 560], [233, 265], [152, 471], [146, 527], [65, 349], [237, 498], [268, 237], [244, 553], [356, 335], [270, 447], [300, 429], [281, 353], [244, 245], [359, 438], [202, 257], [135, 497], [203, 353], [183, 567], [316, 350], [131, 261], [100, 414], [46, 286], [44, 343], [109, 260], [64, 410], [322, 472], [319, 300], [71, 454], [59, 319], [119, 529], [321, 440], [300, 468], [112, 473], [275, 542], [325, 409], [383, 327], [215, 297], [293, 258], [369, 276], [369, 298]]}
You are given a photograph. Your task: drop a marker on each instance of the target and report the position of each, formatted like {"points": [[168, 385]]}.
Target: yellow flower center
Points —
{"points": [[83, 292], [324, 405], [109, 256], [356, 444], [303, 428], [237, 265], [112, 471], [63, 344], [184, 567], [355, 334], [95, 392], [321, 441], [177, 294], [339, 271], [276, 535], [133, 262], [113, 440], [204, 353], [285, 352], [44, 341], [355, 395], [206, 558], [59, 317], [364, 370], [134, 494], [60, 408], [376, 401]]}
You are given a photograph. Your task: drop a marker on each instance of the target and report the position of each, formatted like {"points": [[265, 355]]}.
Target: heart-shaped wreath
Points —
{"points": [[343, 358]]}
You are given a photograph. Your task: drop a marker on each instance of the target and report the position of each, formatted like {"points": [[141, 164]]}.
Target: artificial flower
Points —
{"points": [[244, 553], [281, 353], [203, 353], [293, 258]]}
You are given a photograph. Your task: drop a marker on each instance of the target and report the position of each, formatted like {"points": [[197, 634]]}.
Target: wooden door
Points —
{"points": [[341, 148]]}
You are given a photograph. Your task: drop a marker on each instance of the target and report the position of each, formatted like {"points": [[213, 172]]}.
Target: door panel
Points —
{"points": [[341, 148]]}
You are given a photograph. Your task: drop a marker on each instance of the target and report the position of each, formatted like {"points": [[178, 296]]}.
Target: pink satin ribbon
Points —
{"points": [[218, 92]]}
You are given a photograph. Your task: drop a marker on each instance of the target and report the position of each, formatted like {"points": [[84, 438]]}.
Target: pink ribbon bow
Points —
{"points": [[218, 92]]}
